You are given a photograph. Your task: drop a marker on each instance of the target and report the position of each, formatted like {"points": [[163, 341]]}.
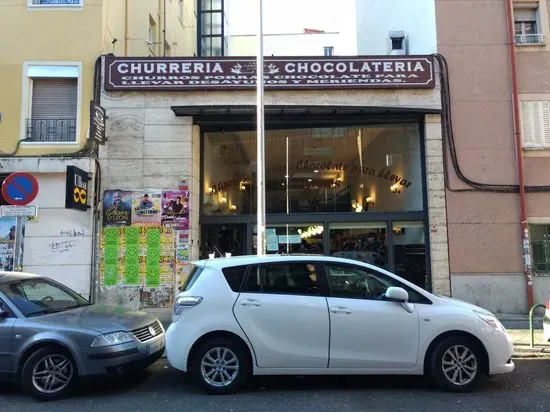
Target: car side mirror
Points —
{"points": [[397, 294]]}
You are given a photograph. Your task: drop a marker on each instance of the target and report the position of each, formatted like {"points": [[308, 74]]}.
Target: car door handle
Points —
{"points": [[340, 309], [250, 303]]}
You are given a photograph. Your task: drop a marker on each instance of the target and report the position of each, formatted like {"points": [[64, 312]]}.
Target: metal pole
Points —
{"points": [[260, 168], [287, 180]]}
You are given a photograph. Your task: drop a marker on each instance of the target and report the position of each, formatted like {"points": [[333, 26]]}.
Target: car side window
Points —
{"points": [[234, 276], [5, 308], [296, 278], [354, 282]]}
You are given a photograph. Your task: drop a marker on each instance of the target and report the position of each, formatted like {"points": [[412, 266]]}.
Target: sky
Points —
{"points": [[290, 16]]}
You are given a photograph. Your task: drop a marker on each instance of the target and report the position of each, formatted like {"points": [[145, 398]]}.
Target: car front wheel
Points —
{"points": [[49, 374], [220, 365], [456, 364]]}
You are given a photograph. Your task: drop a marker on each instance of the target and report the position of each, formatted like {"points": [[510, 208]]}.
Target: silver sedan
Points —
{"points": [[50, 336]]}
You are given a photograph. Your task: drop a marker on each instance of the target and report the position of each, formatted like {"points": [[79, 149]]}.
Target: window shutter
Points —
{"points": [[54, 98], [536, 124], [527, 14]]}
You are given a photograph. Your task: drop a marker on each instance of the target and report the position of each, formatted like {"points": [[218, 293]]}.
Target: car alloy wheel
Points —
{"points": [[456, 364], [459, 365], [219, 367], [49, 373], [52, 373]]}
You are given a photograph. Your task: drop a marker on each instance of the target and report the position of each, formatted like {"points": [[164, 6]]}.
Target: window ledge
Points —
{"points": [[536, 151], [25, 143]]}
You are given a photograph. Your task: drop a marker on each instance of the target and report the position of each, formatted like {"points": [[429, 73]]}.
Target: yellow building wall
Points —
{"points": [[79, 35]]}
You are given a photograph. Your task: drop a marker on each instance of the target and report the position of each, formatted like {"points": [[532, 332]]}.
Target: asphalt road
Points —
{"points": [[161, 388]]}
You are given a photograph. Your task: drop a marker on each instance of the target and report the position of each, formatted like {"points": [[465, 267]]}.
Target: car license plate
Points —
{"points": [[156, 346]]}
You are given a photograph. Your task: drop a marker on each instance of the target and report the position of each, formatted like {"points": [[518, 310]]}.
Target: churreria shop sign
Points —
{"points": [[183, 73]]}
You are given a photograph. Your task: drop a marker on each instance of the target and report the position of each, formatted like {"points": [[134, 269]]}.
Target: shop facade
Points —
{"points": [[353, 165]]}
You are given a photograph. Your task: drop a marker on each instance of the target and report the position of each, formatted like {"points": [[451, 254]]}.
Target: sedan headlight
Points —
{"points": [[492, 321], [109, 339]]}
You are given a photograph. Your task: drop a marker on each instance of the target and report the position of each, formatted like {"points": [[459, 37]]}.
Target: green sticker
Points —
{"points": [[111, 235], [153, 255], [152, 277], [153, 237], [132, 254], [132, 235], [131, 275], [111, 275], [111, 255]]}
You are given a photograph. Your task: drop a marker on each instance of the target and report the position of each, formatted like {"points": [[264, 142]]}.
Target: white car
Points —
{"points": [[316, 315]]}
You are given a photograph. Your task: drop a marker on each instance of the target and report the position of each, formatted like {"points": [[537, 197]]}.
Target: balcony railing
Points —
{"points": [[529, 39], [51, 130]]}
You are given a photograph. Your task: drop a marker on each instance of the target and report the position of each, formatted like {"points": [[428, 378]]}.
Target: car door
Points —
{"points": [[368, 332], [6, 336], [282, 308]]}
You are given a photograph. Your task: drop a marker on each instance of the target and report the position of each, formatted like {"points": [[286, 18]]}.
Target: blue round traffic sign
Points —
{"points": [[20, 188]]}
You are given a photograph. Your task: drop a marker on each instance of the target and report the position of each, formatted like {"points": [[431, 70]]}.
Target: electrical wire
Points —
{"points": [[449, 144]]}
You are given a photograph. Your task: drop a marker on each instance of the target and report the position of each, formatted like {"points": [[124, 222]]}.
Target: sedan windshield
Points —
{"points": [[39, 296]]}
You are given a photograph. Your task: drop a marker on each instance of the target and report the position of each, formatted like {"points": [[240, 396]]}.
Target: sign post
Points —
{"points": [[19, 189], [260, 143]]}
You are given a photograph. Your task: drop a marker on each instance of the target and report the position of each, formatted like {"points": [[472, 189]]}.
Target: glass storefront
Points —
{"points": [[367, 169], [355, 192]]}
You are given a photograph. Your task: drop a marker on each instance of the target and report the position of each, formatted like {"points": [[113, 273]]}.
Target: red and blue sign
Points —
{"points": [[20, 188]]}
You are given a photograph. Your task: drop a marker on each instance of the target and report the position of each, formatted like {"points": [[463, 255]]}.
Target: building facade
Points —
{"points": [[50, 60], [497, 54]]}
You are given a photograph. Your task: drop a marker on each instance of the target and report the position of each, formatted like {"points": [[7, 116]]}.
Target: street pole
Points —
{"points": [[260, 155]]}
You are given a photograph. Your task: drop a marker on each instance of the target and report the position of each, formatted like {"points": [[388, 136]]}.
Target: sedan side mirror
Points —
{"points": [[397, 294]]}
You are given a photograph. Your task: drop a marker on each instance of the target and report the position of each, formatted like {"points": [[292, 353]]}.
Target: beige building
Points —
{"points": [[493, 99], [48, 67]]}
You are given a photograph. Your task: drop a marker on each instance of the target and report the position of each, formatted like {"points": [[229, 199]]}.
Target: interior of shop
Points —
{"points": [[349, 191]]}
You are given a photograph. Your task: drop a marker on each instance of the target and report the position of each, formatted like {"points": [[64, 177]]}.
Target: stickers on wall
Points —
{"points": [[146, 206], [117, 208]]}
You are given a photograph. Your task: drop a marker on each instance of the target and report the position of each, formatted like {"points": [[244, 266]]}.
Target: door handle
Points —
{"points": [[340, 309], [250, 303]]}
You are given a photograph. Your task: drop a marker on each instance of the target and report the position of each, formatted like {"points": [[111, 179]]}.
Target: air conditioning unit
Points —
{"points": [[397, 43]]}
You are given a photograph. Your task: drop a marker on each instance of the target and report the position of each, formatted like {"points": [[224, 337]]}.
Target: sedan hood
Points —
{"points": [[101, 318], [464, 305]]}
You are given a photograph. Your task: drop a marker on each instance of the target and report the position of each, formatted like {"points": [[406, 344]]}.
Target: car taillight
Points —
{"points": [[184, 303]]}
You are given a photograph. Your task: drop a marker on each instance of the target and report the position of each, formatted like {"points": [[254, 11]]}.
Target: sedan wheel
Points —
{"points": [[221, 365], [48, 374], [455, 364]]}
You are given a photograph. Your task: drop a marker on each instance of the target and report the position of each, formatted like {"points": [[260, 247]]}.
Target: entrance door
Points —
{"points": [[223, 238]]}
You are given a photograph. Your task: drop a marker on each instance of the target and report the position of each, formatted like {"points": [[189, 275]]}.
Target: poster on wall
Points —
{"points": [[7, 242], [117, 208], [146, 207], [175, 209]]}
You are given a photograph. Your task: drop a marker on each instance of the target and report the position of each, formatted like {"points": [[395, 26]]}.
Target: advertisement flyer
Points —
{"points": [[7, 242], [146, 207], [117, 208], [175, 209]]}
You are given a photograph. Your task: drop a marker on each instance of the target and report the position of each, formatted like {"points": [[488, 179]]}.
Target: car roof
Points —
{"points": [[15, 276], [222, 262]]}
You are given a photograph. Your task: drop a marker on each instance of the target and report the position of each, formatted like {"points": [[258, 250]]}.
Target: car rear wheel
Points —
{"points": [[49, 374], [456, 364], [220, 365]]}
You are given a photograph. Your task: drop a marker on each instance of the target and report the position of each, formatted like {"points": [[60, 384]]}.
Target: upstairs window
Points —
{"points": [[527, 27], [535, 122], [540, 247], [328, 51]]}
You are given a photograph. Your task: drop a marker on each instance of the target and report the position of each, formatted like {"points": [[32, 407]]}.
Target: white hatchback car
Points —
{"points": [[316, 315]]}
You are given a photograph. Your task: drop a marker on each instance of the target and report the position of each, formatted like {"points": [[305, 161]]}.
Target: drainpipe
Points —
{"points": [[526, 247]]}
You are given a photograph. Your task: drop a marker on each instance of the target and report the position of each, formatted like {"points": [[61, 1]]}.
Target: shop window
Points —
{"points": [[527, 26], [540, 247], [51, 103], [359, 169], [535, 120]]}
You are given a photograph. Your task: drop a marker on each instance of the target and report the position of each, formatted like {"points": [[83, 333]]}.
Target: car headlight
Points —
{"points": [[492, 321], [184, 303], [114, 338]]}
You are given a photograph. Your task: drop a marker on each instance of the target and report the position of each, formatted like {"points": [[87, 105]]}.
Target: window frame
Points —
{"points": [[531, 223], [26, 97], [32, 6], [538, 24], [525, 124], [426, 301], [321, 279]]}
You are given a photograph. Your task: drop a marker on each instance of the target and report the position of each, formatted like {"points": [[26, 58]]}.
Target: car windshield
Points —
{"points": [[40, 296]]}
